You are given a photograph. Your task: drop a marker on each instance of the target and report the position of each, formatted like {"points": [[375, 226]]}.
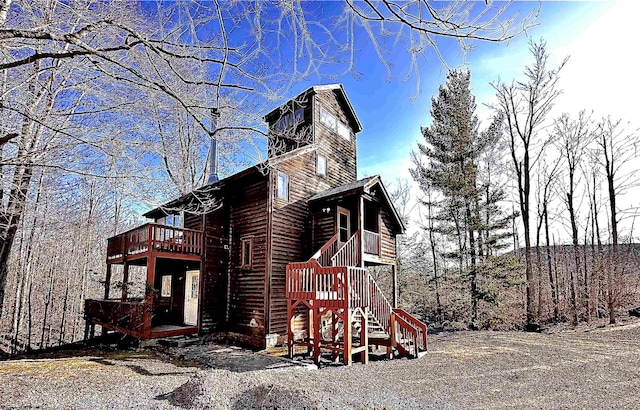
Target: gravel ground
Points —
{"points": [[583, 368]]}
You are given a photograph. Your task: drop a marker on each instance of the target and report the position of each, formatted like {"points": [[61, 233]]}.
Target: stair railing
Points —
{"points": [[379, 307], [349, 253], [324, 254], [420, 327], [404, 335]]}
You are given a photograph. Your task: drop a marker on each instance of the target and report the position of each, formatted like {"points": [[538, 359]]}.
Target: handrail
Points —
{"points": [[408, 334], [324, 254], [157, 225], [349, 253], [419, 325], [379, 307], [155, 237]]}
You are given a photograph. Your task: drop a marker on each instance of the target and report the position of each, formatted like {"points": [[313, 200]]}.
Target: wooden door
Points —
{"points": [[192, 288], [344, 226]]}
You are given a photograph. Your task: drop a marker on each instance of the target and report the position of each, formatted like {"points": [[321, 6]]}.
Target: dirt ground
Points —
{"points": [[573, 369]]}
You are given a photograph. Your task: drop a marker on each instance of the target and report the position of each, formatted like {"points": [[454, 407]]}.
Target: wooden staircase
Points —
{"points": [[332, 289]]}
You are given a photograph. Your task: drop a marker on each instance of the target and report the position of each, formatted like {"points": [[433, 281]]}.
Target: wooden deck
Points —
{"points": [[130, 317], [161, 240]]}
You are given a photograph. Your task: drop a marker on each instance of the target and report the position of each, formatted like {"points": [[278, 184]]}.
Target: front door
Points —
{"points": [[344, 228], [192, 287]]}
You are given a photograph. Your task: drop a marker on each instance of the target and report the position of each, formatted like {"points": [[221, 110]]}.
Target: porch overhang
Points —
{"points": [[370, 187]]}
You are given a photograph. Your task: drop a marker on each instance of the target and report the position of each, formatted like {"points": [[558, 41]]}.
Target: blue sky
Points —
{"points": [[591, 33]]}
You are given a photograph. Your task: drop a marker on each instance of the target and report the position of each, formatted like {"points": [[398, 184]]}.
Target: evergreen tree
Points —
{"points": [[453, 150]]}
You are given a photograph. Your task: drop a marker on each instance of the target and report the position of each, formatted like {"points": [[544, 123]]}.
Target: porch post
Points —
{"points": [[394, 275], [125, 281], [148, 296], [361, 230], [107, 282]]}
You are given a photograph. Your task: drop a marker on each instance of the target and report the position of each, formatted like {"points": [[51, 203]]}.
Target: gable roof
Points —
{"points": [[199, 195], [338, 89], [364, 185]]}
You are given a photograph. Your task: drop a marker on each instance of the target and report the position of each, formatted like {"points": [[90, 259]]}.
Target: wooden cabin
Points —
{"points": [[280, 252]]}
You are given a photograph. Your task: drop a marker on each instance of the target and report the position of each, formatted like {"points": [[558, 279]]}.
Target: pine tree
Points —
{"points": [[453, 149]]}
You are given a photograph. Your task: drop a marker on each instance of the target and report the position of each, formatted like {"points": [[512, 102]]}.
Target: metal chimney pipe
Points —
{"points": [[213, 150]]}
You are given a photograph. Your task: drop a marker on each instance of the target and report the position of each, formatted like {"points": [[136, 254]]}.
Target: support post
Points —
{"points": [[364, 336], [334, 333], [289, 329], [125, 281], [347, 359], [107, 282], [361, 230], [316, 334], [148, 299], [393, 342], [394, 275]]}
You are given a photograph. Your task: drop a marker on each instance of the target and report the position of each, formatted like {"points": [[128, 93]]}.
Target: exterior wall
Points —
{"points": [[340, 153], [387, 238], [193, 221], [213, 289], [246, 286]]}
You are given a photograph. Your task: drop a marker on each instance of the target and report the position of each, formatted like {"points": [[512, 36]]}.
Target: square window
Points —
{"points": [[321, 165], [165, 290], [327, 119], [344, 132], [246, 253], [283, 186]]}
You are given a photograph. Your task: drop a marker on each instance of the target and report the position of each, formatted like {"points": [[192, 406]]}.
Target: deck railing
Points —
{"points": [[131, 316], [328, 286], [156, 237], [371, 242]]}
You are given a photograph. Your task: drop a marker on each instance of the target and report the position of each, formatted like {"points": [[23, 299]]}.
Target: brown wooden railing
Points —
{"points": [[404, 335], [156, 237], [371, 242], [349, 253], [324, 254], [379, 307], [358, 286], [327, 286], [420, 327], [131, 316]]}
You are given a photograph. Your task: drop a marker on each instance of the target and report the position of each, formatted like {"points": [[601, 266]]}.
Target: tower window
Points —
{"points": [[283, 186]]}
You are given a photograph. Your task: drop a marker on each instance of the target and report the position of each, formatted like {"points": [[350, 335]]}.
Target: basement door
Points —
{"points": [[192, 286]]}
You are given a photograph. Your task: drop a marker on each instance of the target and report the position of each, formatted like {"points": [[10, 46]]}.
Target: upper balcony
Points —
{"points": [[161, 240]]}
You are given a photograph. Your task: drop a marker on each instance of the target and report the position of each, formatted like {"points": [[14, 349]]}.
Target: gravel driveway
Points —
{"points": [[568, 369]]}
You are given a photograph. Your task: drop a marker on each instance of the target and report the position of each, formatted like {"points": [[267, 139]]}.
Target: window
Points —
{"points": [[165, 291], [344, 131], [283, 186], [246, 253], [194, 286], [290, 120], [173, 220], [327, 119], [321, 165], [330, 121]]}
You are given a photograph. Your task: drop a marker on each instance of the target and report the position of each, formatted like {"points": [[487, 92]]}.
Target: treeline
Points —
{"points": [[521, 223]]}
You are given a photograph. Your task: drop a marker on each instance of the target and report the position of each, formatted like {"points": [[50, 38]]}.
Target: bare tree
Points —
{"points": [[572, 140], [617, 148], [76, 78], [525, 105]]}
